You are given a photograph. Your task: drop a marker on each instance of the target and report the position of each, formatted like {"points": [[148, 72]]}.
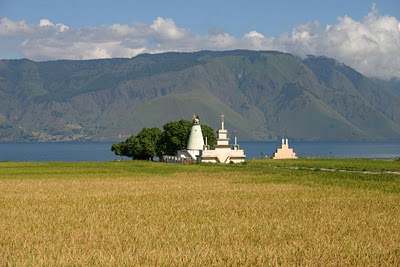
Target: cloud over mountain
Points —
{"points": [[370, 45]]}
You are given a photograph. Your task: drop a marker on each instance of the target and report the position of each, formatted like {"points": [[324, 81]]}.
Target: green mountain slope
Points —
{"points": [[263, 94], [392, 84]]}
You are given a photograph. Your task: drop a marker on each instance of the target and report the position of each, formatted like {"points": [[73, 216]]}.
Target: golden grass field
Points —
{"points": [[155, 214]]}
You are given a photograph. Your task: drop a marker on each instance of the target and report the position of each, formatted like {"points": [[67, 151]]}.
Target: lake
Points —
{"points": [[101, 151]]}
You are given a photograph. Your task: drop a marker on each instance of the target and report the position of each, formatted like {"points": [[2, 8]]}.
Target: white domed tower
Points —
{"points": [[196, 141]]}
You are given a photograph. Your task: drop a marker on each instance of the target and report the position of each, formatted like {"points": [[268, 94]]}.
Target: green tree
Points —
{"points": [[146, 145], [125, 148], [174, 137], [142, 146], [152, 142], [117, 149]]}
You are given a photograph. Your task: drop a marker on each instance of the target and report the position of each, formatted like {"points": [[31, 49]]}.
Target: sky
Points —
{"points": [[360, 33]]}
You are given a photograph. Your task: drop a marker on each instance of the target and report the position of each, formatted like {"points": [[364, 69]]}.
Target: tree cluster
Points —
{"points": [[151, 142]]}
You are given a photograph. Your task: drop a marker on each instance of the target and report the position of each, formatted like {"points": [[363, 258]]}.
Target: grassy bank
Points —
{"points": [[263, 212]]}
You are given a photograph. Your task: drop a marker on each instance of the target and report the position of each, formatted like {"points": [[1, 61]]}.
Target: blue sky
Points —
{"points": [[269, 17], [359, 33]]}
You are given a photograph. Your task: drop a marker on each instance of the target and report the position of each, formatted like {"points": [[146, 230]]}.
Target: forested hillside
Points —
{"points": [[263, 95]]}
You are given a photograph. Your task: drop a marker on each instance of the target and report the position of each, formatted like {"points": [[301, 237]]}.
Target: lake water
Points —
{"points": [[101, 151]]}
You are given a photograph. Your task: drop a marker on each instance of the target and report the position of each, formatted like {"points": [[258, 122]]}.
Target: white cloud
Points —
{"points": [[253, 34], [48, 25], [14, 28], [257, 41], [221, 41], [45, 22], [166, 29], [370, 45]]}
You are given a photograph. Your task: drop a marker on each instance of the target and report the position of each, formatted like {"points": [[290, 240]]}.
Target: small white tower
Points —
{"points": [[196, 141], [284, 152]]}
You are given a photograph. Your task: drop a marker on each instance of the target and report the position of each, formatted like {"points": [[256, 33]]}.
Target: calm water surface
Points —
{"points": [[324, 149], [101, 151]]}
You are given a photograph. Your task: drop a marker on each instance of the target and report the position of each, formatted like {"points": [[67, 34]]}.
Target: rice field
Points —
{"points": [[261, 213]]}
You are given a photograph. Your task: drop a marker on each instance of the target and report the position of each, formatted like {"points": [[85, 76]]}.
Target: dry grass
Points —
{"points": [[129, 214]]}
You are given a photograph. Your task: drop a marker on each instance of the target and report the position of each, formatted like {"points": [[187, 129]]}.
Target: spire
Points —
{"points": [[196, 119], [195, 141], [222, 122]]}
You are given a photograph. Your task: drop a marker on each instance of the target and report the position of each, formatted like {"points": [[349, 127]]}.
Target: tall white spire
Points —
{"points": [[196, 141], [222, 122]]}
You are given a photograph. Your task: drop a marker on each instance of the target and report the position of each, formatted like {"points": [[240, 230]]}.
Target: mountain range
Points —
{"points": [[264, 95]]}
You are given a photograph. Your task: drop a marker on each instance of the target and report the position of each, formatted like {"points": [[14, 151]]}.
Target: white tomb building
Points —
{"points": [[284, 152], [195, 143], [223, 152]]}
